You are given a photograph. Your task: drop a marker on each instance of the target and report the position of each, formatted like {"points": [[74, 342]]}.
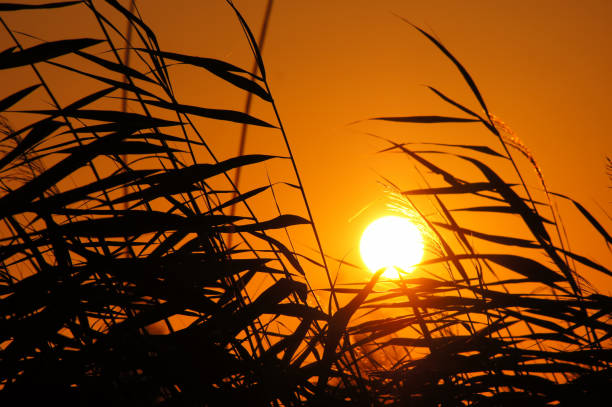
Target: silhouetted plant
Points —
{"points": [[106, 305], [515, 323], [146, 305]]}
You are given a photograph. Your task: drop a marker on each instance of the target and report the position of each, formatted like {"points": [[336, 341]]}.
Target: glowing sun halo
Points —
{"points": [[391, 241]]}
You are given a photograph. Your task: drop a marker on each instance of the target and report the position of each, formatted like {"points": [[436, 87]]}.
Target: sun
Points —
{"points": [[390, 242]]}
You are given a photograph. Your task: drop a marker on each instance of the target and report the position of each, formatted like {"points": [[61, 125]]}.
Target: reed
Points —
{"points": [[118, 287], [513, 320]]}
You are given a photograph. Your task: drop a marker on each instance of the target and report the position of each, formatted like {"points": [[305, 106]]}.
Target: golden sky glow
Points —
{"points": [[543, 68]]}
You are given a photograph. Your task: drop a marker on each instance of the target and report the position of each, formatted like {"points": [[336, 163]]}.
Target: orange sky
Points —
{"points": [[542, 69]]}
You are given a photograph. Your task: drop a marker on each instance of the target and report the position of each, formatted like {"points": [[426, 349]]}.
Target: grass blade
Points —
{"points": [[45, 52]]}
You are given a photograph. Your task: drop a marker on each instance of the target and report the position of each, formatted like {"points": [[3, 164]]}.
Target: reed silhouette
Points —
{"points": [[118, 287]]}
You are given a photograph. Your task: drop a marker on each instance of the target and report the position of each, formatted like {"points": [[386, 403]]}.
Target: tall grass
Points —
{"points": [[118, 286], [497, 318], [117, 283]]}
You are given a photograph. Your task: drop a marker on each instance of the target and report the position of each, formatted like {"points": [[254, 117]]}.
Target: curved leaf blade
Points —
{"points": [[45, 52], [15, 6], [425, 119], [9, 101], [217, 114]]}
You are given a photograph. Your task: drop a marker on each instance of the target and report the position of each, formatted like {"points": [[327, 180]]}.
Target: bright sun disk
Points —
{"points": [[390, 242]]}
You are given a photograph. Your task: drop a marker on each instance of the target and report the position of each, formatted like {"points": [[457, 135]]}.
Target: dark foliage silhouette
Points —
{"points": [[118, 286]]}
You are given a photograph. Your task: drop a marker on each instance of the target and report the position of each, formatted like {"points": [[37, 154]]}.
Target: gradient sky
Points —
{"points": [[543, 67]]}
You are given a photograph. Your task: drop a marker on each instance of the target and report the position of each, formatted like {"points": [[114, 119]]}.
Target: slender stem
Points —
{"points": [[247, 107], [124, 100], [303, 192]]}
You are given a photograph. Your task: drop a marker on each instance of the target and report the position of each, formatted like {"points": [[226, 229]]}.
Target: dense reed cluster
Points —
{"points": [[118, 285]]}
